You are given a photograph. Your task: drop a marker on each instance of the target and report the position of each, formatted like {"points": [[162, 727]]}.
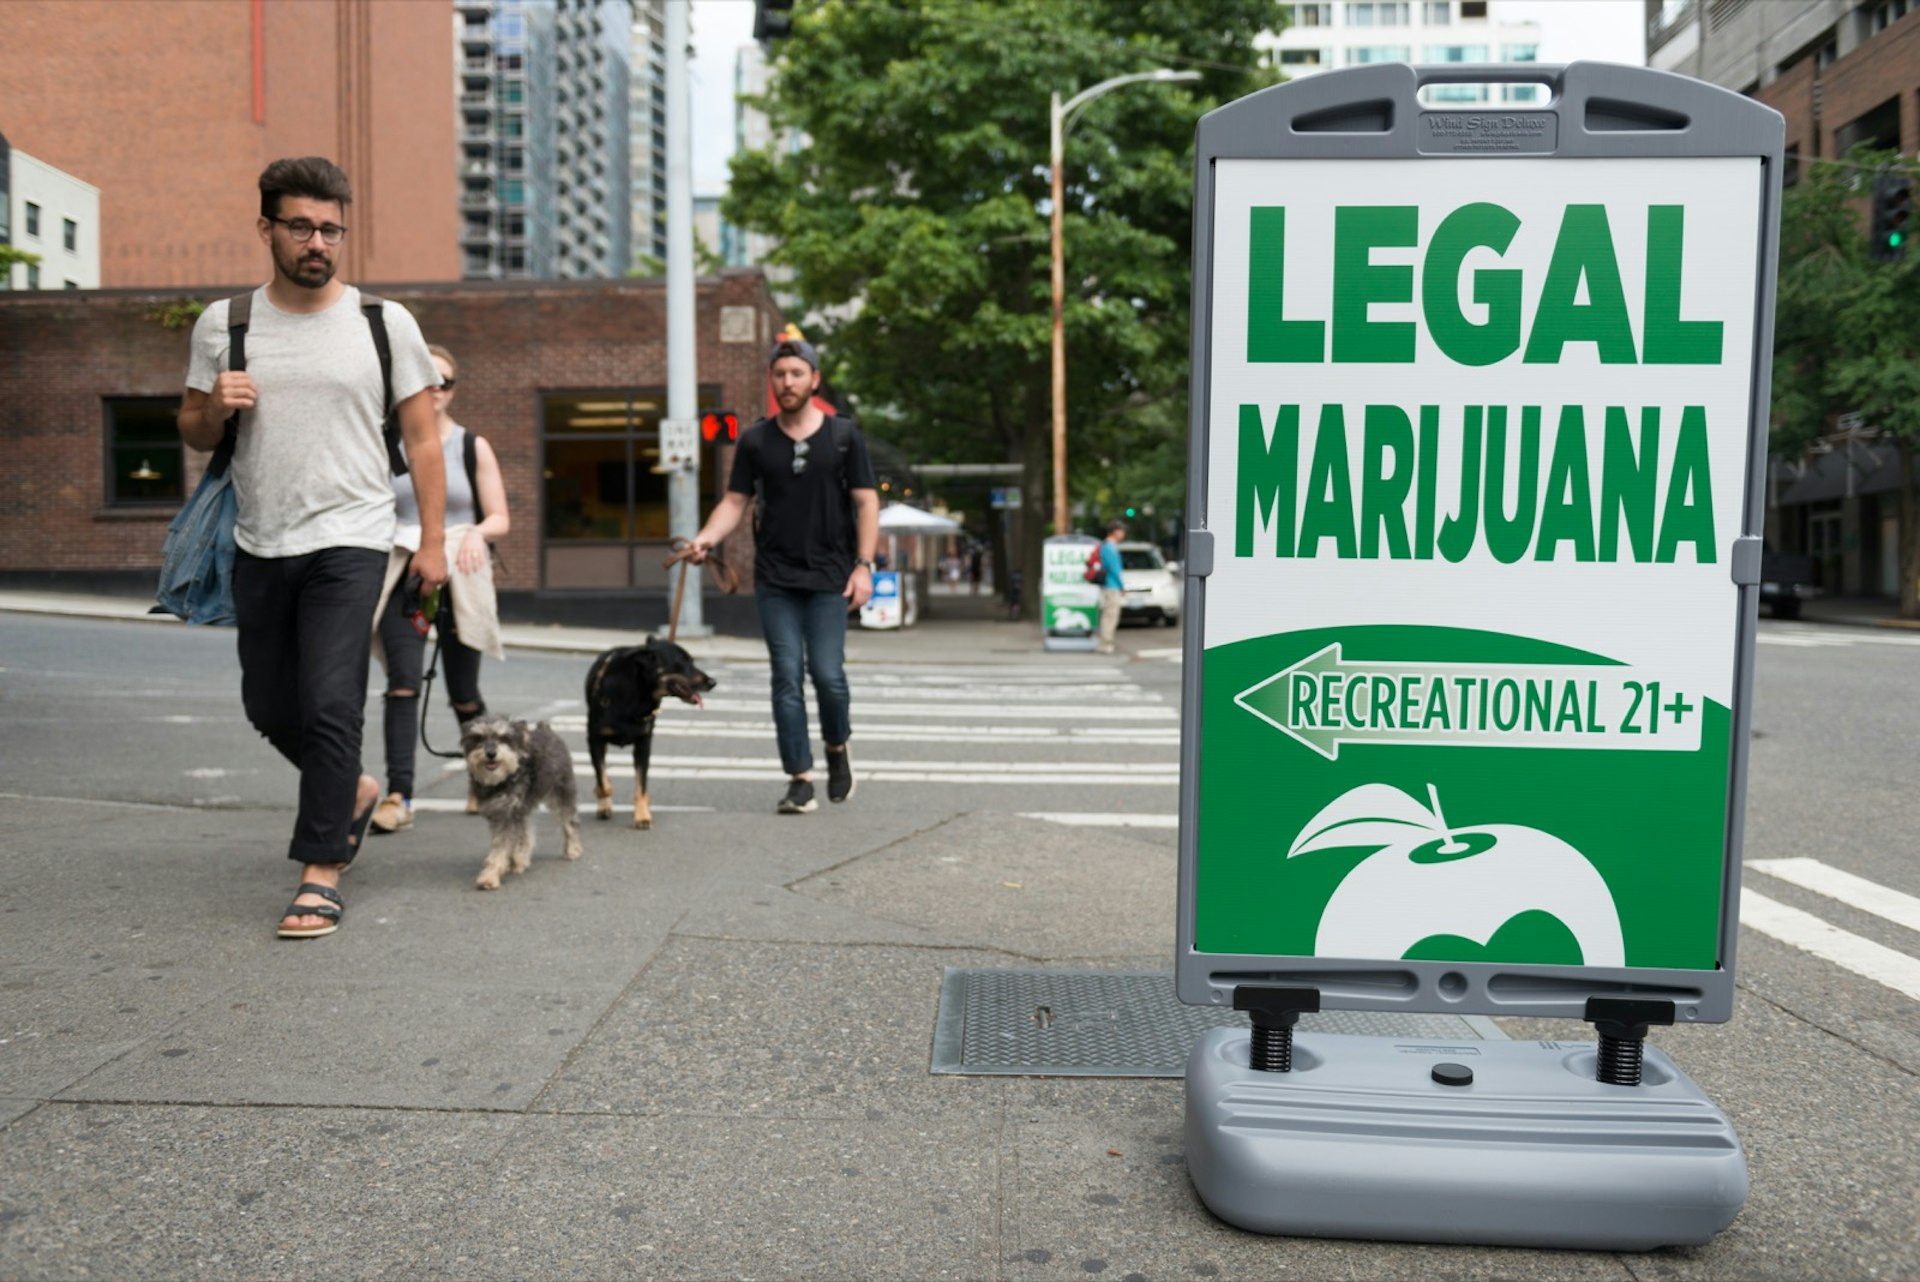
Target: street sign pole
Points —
{"points": [[1475, 486], [679, 433]]}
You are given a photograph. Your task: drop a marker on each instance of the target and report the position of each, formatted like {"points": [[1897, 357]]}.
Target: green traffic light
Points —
{"points": [[1894, 238], [1130, 510]]}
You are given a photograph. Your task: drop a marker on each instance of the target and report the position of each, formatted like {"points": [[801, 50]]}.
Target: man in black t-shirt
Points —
{"points": [[818, 524]]}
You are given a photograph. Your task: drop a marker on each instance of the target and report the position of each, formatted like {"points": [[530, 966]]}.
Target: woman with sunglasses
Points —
{"points": [[468, 617]]}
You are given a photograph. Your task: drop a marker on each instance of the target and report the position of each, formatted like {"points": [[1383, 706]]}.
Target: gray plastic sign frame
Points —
{"points": [[1594, 111]]}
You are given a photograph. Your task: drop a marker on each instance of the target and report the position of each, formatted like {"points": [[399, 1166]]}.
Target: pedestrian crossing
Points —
{"points": [[1805, 637]]}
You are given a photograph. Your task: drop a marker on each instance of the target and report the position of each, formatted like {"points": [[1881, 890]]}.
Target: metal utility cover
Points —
{"points": [[1113, 1023]]}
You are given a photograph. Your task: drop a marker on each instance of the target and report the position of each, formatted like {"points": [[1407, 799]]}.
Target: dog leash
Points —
{"points": [[426, 684], [723, 577]]}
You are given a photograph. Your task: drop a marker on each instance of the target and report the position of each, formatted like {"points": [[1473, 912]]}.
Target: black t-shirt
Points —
{"points": [[806, 541]]}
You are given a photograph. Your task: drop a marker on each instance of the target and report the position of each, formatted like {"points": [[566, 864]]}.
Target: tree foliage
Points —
{"points": [[11, 254], [914, 219], [1847, 329]]}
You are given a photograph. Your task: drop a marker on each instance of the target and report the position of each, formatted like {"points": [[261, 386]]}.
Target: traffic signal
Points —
{"points": [[772, 19], [720, 425], [1891, 226], [1131, 512]]}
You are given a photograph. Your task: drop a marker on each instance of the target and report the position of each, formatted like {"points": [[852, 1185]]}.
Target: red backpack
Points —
{"points": [[1095, 572]]}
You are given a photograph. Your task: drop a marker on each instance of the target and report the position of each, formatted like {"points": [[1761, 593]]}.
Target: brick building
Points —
{"points": [[173, 109], [567, 379]]}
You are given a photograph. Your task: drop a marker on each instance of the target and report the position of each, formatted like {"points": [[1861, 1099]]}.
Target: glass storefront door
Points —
{"points": [[603, 510]]}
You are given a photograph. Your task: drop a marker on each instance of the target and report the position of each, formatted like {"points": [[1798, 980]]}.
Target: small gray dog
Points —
{"points": [[516, 769]]}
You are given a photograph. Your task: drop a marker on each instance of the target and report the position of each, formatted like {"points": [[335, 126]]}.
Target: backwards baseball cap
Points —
{"points": [[795, 347]]}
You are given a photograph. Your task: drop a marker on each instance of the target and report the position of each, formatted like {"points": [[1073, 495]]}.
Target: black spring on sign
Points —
{"points": [[1272, 1050], [1620, 1060]]}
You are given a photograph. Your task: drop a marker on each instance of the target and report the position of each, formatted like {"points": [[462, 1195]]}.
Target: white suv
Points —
{"points": [[1153, 588]]}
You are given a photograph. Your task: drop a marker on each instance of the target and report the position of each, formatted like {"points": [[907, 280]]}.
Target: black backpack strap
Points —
{"points": [[239, 314], [470, 458], [374, 309], [841, 433]]}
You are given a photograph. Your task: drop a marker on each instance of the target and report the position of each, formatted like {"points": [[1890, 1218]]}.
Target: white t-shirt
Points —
{"points": [[310, 467]]}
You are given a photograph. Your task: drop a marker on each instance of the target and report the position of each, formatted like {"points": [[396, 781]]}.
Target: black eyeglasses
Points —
{"points": [[302, 231], [800, 456], [446, 385]]}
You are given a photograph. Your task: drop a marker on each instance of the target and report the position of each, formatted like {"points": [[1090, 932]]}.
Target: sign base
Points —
{"points": [[1050, 642], [1364, 1139]]}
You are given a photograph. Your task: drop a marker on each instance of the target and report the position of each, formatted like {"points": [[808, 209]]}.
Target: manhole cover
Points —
{"points": [[1115, 1023]]}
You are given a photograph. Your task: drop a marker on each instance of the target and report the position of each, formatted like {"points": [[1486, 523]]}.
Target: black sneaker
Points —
{"points": [[799, 799], [839, 774]]}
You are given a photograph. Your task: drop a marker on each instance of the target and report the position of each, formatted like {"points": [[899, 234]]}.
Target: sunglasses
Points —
{"points": [[446, 385], [800, 449]]}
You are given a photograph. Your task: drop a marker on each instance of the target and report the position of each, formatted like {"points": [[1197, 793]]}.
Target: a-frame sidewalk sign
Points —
{"points": [[1479, 407]]}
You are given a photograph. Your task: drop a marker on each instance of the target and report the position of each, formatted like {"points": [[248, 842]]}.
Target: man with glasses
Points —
{"points": [[316, 511], [816, 526]]}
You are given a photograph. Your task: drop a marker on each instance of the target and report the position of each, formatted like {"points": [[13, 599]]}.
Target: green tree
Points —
{"points": [[9, 255], [914, 220], [1847, 331]]}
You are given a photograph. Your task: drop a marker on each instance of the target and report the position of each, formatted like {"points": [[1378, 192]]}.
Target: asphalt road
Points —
{"points": [[1818, 1068]]}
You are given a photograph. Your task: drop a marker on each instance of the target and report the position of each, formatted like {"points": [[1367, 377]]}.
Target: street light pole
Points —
{"points": [[1057, 137]]}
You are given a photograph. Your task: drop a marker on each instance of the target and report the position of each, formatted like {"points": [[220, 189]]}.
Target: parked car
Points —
{"points": [[1153, 587], [1786, 582]]}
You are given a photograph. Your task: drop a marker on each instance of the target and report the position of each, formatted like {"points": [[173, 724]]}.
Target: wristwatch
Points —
{"points": [[872, 567]]}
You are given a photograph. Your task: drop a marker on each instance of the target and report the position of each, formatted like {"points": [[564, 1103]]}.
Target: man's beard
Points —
{"points": [[304, 270], [792, 401]]}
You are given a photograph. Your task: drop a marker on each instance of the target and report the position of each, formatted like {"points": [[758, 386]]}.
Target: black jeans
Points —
{"points": [[305, 636], [406, 662]]}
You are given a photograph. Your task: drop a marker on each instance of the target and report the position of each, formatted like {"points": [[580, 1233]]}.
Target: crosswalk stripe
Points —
{"points": [[1828, 942], [452, 805], [1096, 737], [1101, 776], [866, 765], [1099, 819], [865, 709], [1855, 892]]}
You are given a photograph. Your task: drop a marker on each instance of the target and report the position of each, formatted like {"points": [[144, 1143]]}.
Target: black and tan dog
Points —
{"points": [[625, 687]]}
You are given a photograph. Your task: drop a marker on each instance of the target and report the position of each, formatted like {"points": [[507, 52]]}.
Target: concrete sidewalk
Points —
{"points": [[699, 1052]]}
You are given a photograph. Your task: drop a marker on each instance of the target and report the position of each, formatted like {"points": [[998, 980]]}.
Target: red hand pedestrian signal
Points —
{"points": [[720, 423]]}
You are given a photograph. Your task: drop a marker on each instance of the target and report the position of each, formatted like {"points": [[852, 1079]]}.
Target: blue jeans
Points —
{"points": [[805, 630]]}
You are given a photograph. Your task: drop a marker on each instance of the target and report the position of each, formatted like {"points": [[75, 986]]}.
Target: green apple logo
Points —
{"points": [[1431, 879]]}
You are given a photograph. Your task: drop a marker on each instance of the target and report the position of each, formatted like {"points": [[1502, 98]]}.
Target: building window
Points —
{"points": [[145, 461], [70, 235], [1303, 57], [33, 219], [1312, 15], [1459, 93], [1520, 53], [603, 510], [1362, 55], [1524, 93], [1456, 53], [1379, 13], [33, 276], [1438, 13], [1473, 9], [69, 284]]}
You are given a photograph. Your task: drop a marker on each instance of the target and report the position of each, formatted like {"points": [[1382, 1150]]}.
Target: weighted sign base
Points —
{"points": [[1086, 643], [1371, 1137]]}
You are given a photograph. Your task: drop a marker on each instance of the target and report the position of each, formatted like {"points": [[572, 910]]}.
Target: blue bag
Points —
{"points": [[196, 564], [196, 561]]}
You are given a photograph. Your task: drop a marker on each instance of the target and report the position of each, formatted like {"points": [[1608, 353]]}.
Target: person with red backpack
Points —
{"points": [[1113, 584]]}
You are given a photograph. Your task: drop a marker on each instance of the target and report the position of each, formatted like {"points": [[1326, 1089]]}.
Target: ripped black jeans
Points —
{"points": [[406, 662]]}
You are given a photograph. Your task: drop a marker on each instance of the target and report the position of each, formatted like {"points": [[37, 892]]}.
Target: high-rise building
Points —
{"points": [[172, 111], [1332, 34], [647, 130], [543, 138]]}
